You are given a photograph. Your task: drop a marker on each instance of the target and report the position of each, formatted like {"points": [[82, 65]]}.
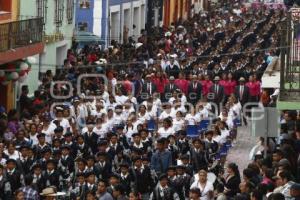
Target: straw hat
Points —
{"points": [[51, 192]]}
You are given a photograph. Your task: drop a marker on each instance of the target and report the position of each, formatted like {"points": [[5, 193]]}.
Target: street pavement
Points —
{"points": [[239, 153]]}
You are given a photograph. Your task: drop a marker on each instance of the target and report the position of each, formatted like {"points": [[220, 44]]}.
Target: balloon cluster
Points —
{"points": [[17, 71]]}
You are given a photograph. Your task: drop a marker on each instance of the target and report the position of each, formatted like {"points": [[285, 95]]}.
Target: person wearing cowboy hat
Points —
{"points": [[216, 94], [50, 193], [169, 89], [241, 93]]}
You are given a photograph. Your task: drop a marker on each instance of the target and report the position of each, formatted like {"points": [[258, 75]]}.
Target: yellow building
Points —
{"points": [[175, 10]]}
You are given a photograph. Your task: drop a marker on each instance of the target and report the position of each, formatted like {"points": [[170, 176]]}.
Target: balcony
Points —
{"points": [[19, 39], [290, 64]]}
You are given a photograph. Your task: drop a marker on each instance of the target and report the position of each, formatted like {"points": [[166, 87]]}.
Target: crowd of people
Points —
{"points": [[154, 119]]}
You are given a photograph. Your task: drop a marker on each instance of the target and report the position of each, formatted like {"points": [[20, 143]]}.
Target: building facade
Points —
{"points": [[176, 10], [19, 39], [58, 18]]}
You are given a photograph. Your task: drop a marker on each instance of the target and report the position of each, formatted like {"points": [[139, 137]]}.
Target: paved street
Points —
{"points": [[240, 152]]}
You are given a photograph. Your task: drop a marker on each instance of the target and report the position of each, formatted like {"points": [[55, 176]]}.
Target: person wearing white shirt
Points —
{"points": [[143, 115], [202, 113], [204, 185], [48, 129], [167, 112], [130, 129], [118, 116], [99, 110], [11, 152], [178, 122], [120, 98], [191, 118], [166, 130], [100, 128]]}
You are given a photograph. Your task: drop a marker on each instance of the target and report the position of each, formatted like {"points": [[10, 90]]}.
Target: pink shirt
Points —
{"points": [[254, 88], [230, 87], [182, 84], [206, 84], [160, 84]]}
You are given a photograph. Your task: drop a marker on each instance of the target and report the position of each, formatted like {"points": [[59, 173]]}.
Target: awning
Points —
{"points": [[87, 37]]}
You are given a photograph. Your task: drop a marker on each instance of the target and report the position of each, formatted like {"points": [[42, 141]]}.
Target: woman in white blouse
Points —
{"points": [[166, 130], [204, 185], [143, 116], [178, 122], [191, 118]]}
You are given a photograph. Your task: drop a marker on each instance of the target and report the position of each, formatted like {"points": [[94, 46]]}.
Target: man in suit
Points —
{"points": [[169, 89], [194, 91], [242, 95], [148, 88], [90, 137], [216, 94]]}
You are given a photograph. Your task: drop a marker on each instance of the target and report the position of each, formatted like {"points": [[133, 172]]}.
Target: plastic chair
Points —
{"points": [[237, 122], [203, 125], [192, 131], [151, 125]]}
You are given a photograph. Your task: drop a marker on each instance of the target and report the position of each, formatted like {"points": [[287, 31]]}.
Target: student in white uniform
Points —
{"points": [[191, 118], [143, 116], [60, 120], [166, 112], [178, 122], [166, 130], [204, 185]]}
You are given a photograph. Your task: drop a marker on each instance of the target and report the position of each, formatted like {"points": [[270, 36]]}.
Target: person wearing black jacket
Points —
{"points": [[103, 167], [126, 178], [24, 163], [51, 175], [232, 181], [66, 165], [13, 175], [38, 182], [182, 142], [83, 150], [89, 186], [241, 93], [41, 145], [69, 142], [141, 184], [199, 157], [163, 191], [91, 138], [5, 187]]}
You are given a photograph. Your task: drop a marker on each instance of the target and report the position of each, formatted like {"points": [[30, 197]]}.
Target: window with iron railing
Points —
{"points": [[70, 11], [42, 10], [59, 13]]}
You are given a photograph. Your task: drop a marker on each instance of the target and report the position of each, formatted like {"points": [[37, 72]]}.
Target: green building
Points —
{"points": [[58, 25]]}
